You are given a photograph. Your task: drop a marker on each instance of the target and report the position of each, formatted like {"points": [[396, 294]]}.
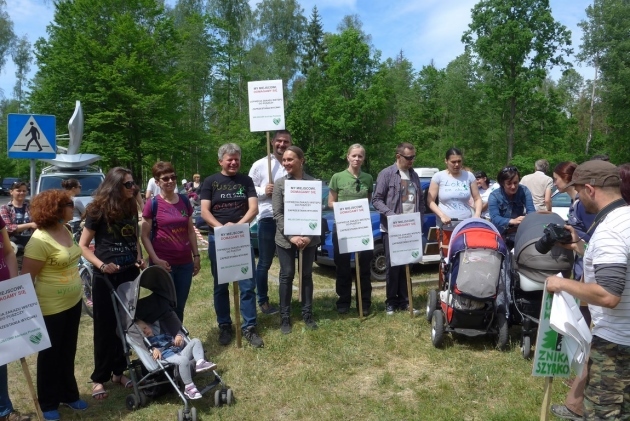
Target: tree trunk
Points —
{"points": [[592, 113], [511, 129]]}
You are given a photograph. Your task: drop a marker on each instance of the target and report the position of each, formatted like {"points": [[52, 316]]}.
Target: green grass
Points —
{"points": [[382, 368]]}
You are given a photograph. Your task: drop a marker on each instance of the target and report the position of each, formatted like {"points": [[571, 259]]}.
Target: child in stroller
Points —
{"points": [[176, 351]]}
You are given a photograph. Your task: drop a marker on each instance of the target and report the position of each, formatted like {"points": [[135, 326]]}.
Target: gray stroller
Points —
{"points": [[152, 378]]}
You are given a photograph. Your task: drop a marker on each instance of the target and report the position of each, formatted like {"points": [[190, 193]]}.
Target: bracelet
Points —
{"points": [[196, 255], [102, 268]]}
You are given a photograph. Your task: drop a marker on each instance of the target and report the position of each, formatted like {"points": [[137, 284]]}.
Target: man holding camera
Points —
{"points": [[606, 275]]}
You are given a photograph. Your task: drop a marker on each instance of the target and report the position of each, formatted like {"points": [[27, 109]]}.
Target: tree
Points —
{"points": [[516, 42], [118, 57], [314, 49], [22, 58], [7, 36]]}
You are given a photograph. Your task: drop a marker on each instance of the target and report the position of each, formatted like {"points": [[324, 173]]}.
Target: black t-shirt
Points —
{"points": [[228, 196], [117, 242]]}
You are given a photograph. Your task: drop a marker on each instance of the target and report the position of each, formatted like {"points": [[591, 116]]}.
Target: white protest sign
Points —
{"points": [[550, 358], [266, 105], [234, 258], [354, 226], [405, 238], [22, 328], [302, 207]]}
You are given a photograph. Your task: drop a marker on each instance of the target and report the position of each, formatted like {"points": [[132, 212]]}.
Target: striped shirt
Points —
{"points": [[610, 244]]}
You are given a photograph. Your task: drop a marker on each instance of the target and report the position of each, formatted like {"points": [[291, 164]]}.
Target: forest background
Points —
{"points": [[170, 83]]}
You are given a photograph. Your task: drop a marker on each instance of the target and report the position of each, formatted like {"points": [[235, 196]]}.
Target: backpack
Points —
{"points": [[154, 208]]}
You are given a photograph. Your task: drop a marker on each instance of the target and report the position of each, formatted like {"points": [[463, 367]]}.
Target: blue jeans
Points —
{"points": [[266, 250], [222, 294], [6, 407], [182, 279]]}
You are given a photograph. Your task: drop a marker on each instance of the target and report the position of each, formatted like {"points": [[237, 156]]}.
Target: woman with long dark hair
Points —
{"points": [[112, 221], [51, 257]]}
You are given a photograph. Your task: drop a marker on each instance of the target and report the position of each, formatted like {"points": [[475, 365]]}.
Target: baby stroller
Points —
{"points": [[151, 378], [530, 269], [473, 299]]}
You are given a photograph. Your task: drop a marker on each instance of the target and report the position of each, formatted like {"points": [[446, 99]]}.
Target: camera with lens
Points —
{"points": [[553, 233]]}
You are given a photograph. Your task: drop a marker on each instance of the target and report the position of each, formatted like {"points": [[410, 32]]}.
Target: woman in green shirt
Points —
{"points": [[351, 184]]}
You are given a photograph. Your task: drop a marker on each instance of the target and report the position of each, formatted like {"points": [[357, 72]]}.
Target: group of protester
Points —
{"points": [[230, 197]]}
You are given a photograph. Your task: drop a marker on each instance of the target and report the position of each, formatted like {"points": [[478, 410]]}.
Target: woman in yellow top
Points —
{"points": [[51, 258]]}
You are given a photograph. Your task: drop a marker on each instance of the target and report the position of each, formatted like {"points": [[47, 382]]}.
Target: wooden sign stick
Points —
{"points": [[237, 313], [357, 272]]}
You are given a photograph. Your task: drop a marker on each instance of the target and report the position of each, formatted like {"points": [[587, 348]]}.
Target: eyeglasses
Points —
{"points": [[166, 178], [129, 184], [358, 182], [68, 205], [408, 158], [509, 169]]}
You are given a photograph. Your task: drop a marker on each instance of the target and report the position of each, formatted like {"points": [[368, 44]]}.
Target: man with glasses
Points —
{"points": [[398, 190], [259, 173], [228, 198], [606, 277]]}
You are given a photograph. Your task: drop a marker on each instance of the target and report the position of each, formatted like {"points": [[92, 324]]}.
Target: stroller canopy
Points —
{"points": [[528, 261], [150, 308]]}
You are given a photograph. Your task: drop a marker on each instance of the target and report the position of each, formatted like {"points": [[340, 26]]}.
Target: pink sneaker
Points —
{"points": [[204, 365], [191, 392]]}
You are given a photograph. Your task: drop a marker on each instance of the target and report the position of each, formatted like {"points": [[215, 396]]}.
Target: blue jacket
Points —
{"points": [[500, 207]]}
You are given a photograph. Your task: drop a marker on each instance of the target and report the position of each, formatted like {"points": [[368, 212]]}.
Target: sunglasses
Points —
{"points": [[166, 178], [358, 183], [129, 184], [68, 205], [509, 169], [408, 158]]}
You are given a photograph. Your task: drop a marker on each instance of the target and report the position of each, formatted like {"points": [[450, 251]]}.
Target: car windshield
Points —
{"points": [[89, 182], [561, 200]]}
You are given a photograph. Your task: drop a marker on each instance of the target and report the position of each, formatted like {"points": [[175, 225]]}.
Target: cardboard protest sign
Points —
{"points": [[266, 105], [302, 207], [550, 358], [234, 256], [354, 225], [22, 328], [405, 238]]}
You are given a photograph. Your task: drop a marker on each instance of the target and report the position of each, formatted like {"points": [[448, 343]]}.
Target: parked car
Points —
{"points": [[90, 177], [325, 252], [7, 182], [560, 204]]}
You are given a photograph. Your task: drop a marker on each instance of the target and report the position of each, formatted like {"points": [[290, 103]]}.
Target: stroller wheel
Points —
{"points": [[526, 347], [143, 398], [193, 414], [432, 302], [229, 397], [217, 398], [132, 403], [180, 414], [503, 334], [437, 328]]}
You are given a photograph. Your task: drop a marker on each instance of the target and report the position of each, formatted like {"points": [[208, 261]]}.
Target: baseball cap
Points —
{"points": [[597, 174]]}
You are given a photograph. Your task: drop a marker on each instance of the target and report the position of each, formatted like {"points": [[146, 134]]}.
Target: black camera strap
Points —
{"points": [[602, 214]]}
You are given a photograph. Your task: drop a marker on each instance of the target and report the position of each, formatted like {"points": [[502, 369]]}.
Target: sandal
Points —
{"points": [[121, 381], [191, 392], [98, 391]]}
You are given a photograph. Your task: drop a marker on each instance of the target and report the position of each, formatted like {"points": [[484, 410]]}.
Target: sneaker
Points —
{"points": [[225, 334], [390, 309], [79, 405], [561, 411], [51, 415], [252, 337], [267, 308], [15, 416], [204, 365], [406, 308], [343, 310], [191, 392], [285, 325], [309, 322]]}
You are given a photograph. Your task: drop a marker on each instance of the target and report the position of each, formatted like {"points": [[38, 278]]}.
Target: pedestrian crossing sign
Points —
{"points": [[31, 136]]}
